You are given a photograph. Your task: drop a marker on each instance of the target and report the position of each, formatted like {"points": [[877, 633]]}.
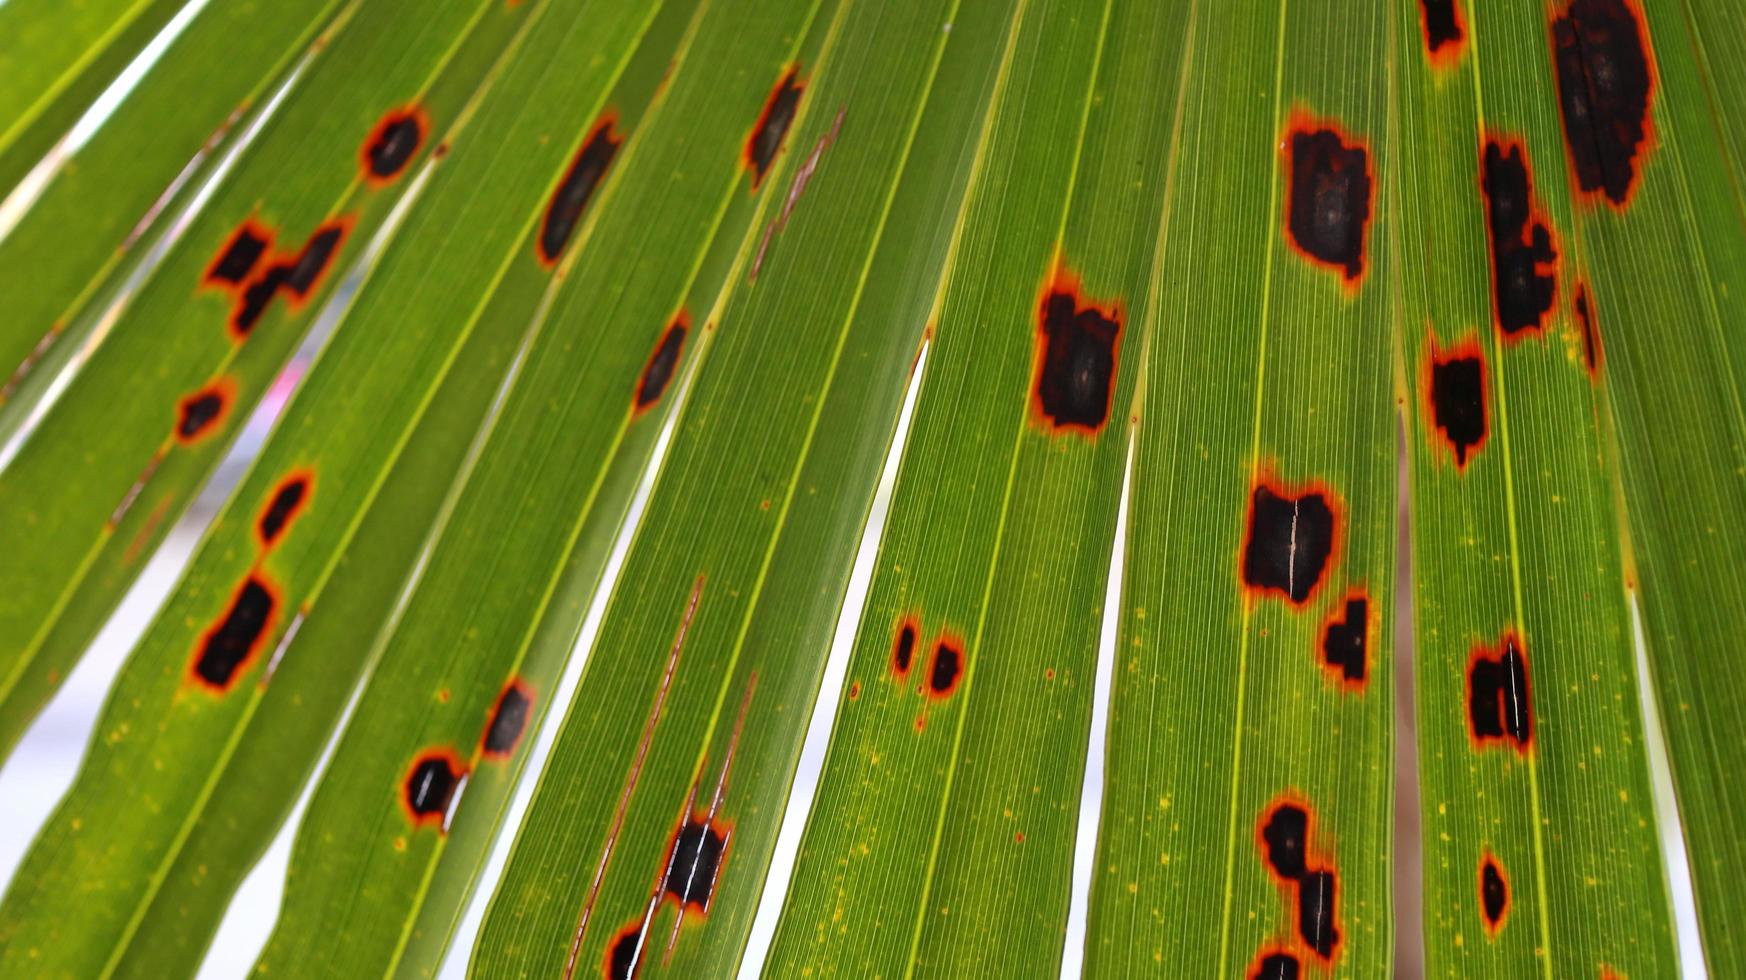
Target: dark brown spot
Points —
{"points": [[1275, 965], [946, 668], [694, 864], [429, 786], [1346, 640], [1077, 343], [296, 275], [1499, 701], [1494, 894], [659, 371], [1327, 211], [772, 127], [1291, 541], [903, 647], [625, 953], [232, 643], [392, 145], [288, 501], [1586, 322], [573, 192], [1457, 397], [1606, 80], [1444, 35], [1284, 839], [1524, 256], [239, 255], [508, 720], [1315, 912], [198, 414]]}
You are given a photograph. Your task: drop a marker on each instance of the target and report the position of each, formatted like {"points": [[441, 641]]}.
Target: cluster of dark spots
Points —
{"points": [[429, 786], [1494, 894], [1499, 704], [1524, 257], [1346, 640], [694, 862], [295, 276], [1283, 836], [1077, 343], [392, 144], [1606, 80], [1455, 385], [1290, 541], [573, 192], [904, 644], [771, 129], [1328, 183], [1275, 965], [624, 954], [239, 255], [287, 502], [199, 414], [658, 372], [946, 668], [1444, 35], [508, 720], [234, 640], [1585, 321]]}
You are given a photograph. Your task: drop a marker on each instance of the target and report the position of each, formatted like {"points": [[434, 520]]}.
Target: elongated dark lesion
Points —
{"points": [[1329, 192], [1445, 36], [1290, 541], [1346, 640], [658, 372], [1494, 894], [392, 144], [1457, 395], [1524, 254], [1283, 836], [1077, 344], [576, 188], [1606, 82], [200, 413], [288, 500], [509, 718], [771, 129], [1499, 699], [233, 642]]}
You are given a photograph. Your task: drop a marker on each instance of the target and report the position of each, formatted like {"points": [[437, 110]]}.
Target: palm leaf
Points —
{"points": [[1156, 288]]}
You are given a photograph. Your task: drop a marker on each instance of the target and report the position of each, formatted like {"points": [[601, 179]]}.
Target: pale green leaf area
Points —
{"points": [[545, 554]]}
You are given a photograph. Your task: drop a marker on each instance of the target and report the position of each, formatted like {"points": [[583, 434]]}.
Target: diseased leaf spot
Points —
{"points": [[694, 864], [1315, 913], [1284, 837], [946, 668], [1524, 257], [1494, 894], [573, 192], [288, 501], [1327, 211], [771, 129], [1275, 965], [1077, 343], [1444, 35], [296, 275], [392, 145], [1290, 541], [658, 372], [624, 953], [239, 255], [1346, 640], [508, 720], [1457, 397], [429, 786], [1606, 80], [1499, 703], [198, 415], [232, 642], [903, 646], [1591, 341]]}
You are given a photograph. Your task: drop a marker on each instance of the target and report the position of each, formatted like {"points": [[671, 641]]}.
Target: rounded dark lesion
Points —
{"points": [[430, 786], [1329, 195], [1076, 379], [1494, 893], [1290, 542], [393, 144]]}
